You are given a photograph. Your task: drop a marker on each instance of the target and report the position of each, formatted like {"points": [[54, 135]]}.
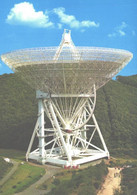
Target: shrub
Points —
{"points": [[56, 181]]}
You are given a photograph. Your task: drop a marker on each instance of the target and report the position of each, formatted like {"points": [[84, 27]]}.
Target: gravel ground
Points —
{"points": [[112, 182]]}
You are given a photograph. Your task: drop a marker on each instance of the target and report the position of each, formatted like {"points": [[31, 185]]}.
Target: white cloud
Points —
{"points": [[123, 25], [59, 26], [25, 14], [119, 30], [112, 35], [82, 30], [71, 20], [133, 33], [121, 33], [88, 23]]}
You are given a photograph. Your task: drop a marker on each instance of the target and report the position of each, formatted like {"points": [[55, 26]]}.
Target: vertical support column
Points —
{"points": [[41, 128], [100, 135], [84, 134]]}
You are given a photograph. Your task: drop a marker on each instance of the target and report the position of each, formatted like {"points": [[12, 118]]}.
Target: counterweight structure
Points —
{"points": [[66, 79]]}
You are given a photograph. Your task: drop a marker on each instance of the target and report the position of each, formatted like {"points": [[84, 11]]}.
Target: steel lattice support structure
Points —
{"points": [[66, 79], [71, 139]]}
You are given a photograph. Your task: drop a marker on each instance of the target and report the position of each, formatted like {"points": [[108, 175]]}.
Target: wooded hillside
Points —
{"points": [[116, 111]]}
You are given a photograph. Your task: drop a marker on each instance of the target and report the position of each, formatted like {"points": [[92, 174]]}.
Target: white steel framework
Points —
{"points": [[67, 69], [70, 140], [66, 79]]}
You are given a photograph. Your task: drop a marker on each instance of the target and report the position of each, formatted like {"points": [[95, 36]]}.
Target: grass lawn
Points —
{"points": [[59, 177], [24, 176]]}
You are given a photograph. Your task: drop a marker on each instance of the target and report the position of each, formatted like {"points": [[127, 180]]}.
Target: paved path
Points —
{"points": [[112, 182], [33, 189], [11, 172]]}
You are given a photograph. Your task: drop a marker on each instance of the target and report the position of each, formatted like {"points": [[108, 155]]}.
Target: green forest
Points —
{"points": [[116, 112], [129, 181]]}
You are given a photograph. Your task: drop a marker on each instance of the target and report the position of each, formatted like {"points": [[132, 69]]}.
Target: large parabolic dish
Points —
{"points": [[66, 79], [67, 69]]}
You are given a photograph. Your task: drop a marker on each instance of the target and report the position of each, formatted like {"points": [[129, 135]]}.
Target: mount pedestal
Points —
{"points": [[73, 136]]}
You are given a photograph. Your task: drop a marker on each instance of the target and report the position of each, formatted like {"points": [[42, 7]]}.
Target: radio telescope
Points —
{"points": [[66, 79]]}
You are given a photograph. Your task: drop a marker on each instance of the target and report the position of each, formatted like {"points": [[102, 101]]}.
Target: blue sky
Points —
{"points": [[40, 23]]}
